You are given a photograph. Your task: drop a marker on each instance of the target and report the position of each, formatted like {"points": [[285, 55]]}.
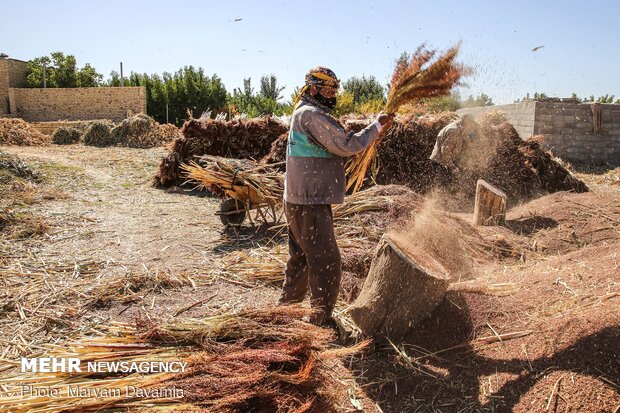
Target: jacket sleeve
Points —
{"points": [[330, 133]]}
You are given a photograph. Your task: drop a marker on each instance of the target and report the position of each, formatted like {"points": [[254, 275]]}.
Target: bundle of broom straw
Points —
{"points": [[254, 360], [225, 176], [415, 80]]}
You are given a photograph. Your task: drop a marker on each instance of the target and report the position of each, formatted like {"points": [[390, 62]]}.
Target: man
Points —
{"points": [[452, 140], [315, 179]]}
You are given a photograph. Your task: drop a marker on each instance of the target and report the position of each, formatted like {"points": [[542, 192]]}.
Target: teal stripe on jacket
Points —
{"points": [[300, 146]]}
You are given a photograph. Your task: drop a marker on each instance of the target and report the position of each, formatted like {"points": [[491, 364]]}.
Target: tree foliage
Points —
{"points": [[61, 71], [480, 100], [364, 89], [265, 102], [269, 87], [188, 90]]}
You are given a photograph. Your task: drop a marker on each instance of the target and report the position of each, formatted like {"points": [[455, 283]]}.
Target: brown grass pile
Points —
{"points": [[253, 360], [99, 133], [142, 131], [20, 133], [522, 169], [66, 135], [277, 152], [237, 138], [20, 188]]}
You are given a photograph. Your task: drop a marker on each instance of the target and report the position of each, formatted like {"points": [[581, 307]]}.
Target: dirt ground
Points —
{"points": [[536, 332]]}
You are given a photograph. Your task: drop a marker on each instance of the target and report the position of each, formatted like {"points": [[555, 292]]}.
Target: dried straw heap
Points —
{"points": [[19, 132], [254, 360], [240, 138], [137, 131], [419, 79], [142, 131], [241, 179]]}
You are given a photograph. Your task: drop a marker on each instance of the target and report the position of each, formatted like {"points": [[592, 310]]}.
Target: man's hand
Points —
{"points": [[386, 120]]}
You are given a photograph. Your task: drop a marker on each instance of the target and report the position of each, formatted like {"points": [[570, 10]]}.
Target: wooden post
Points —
{"points": [[404, 286], [490, 204]]}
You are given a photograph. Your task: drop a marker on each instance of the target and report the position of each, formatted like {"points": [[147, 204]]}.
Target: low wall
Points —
{"points": [[54, 104], [521, 115], [48, 128], [568, 129]]}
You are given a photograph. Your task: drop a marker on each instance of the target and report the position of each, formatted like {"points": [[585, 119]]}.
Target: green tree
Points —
{"points": [[88, 77], [364, 89], [187, 90], [480, 100], [61, 71], [264, 103], [451, 102], [269, 87]]}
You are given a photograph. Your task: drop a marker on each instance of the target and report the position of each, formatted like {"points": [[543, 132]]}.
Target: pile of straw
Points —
{"points": [[239, 138], [418, 79], [241, 179], [66, 135], [20, 133], [99, 133], [254, 360], [142, 131]]}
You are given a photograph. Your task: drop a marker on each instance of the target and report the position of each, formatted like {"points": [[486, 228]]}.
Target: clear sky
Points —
{"points": [[581, 53]]}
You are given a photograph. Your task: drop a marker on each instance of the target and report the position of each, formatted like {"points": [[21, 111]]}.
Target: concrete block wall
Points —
{"points": [[567, 128], [54, 104], [521, 115]]}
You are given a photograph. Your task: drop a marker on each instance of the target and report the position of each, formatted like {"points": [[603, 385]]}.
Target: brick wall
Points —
{"points": [[12, 74], [48, 128], [567, 128], [521, 115], [53, 104]]}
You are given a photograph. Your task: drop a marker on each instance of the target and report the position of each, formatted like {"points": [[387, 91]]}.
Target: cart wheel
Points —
{"points": [[232, 212]]}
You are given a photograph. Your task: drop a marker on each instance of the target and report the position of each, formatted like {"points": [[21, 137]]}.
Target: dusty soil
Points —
{"points": [[537, 332]]}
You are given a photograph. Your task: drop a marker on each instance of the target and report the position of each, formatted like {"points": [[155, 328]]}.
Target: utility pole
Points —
{"points": [[122, 81], [44, 77], [167, 112]]}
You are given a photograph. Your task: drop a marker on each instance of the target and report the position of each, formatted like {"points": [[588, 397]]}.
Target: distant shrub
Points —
{"points": [[66, 136]]}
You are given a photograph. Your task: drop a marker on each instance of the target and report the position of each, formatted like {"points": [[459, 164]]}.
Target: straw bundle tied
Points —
{"points": [[418, 79], [264, 359], [241, 179]]}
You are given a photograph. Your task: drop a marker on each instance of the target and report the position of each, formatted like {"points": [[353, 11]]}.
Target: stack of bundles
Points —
{"points": [[238, 138], [19, 132], [277, 152], [522, 169], [264, 360], [66, 135], [142, 131], [241, 179], [403, 153]]}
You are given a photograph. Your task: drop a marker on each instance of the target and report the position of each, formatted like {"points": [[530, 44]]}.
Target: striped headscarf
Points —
{"points": [[320, 77]]}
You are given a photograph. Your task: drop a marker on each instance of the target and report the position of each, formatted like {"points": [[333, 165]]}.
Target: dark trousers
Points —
{"points": [[314, 259]]}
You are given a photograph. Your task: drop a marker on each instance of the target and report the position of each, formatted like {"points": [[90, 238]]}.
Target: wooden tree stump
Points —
{"points": [[404, 286], [490, 204]]}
